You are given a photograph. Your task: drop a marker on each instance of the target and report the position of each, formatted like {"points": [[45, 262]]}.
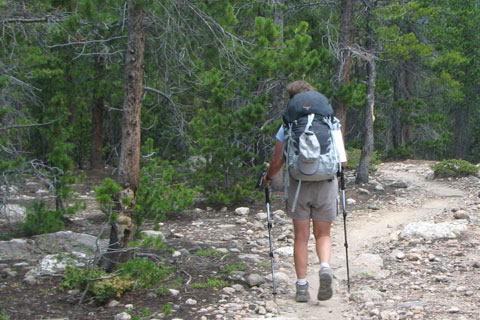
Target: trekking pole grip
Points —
{"points": [[267, 194], [342, 180]]}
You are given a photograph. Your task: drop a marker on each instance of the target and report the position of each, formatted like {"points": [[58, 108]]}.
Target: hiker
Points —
{"points": [[316, 201]]}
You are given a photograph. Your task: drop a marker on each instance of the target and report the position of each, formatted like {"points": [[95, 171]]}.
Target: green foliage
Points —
{"points": [[167, 309], [400, 153], [454, 168], [209, 252], [41, 220], [107, 194], [163, 188], [3, 312], [214, 282], [225, 138], [134, 274], [237, 266], [354, 156], [148, 243], [145, 273]]}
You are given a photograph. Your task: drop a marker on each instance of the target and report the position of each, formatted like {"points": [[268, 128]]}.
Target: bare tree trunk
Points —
{"points": [[461, 131], [96, 160], [278, 92], [368, 142], [344, 55], [123, 228]]}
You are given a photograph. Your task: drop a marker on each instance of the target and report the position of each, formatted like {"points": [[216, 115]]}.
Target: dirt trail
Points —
{"points": [[364, 230]]}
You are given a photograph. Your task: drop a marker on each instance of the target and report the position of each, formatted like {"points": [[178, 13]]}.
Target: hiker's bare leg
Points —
{"points": [[301, 229], [323, 241]]}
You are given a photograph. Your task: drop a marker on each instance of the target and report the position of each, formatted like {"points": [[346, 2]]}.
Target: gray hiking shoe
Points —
{"points": [[325, 290], [302, 293]]}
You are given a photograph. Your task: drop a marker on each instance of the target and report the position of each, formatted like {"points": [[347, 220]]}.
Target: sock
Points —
{"points": [[324, 265], [302, 282]]}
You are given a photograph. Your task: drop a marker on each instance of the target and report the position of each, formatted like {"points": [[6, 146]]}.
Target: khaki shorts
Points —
{"points": [[317, 200]]}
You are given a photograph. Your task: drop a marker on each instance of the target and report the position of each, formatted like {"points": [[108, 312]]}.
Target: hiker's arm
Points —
{"points": [[275, 165]]}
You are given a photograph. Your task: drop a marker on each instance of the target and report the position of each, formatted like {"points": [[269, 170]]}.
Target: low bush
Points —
{"points": [[41, 220], [354, 156], [454, 168]]}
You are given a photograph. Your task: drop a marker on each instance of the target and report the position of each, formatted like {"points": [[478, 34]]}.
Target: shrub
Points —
{"points": [[354, 156], [40, 220], [454, 168], [162, 188], [104, 286], [399, 153], [144, 272], [214, 282]]}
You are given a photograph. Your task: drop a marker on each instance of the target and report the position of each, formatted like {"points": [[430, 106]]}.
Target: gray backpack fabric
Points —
{"points": [[309, 151]]}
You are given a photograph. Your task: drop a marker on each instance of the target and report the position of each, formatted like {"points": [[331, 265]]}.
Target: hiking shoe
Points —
{"points": [[302, 293], [325, 290]]}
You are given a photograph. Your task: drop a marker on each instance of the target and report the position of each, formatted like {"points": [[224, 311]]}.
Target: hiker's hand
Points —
{"points": [[266, 180], [344, 164]]}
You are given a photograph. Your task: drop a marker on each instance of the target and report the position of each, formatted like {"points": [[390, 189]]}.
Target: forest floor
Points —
{"points": [[390, 277]]}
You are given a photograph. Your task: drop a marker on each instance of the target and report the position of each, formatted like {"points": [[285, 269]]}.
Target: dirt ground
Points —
{"points": [[372, 218]]}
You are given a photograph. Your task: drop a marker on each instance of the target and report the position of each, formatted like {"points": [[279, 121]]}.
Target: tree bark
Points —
{"points": [[344, 56], [96, 161], [123, 228], [461, 132], [368, 139], [368, 143]]}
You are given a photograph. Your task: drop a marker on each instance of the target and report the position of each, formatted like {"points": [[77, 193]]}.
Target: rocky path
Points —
{"points": [[371, 232], [414, 249]]}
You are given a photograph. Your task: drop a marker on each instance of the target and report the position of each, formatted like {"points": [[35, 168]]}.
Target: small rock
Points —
{"points": [[399, 184], [461, 214], [363, 191], [113, 304], [229, 290], [129, 306], [242, 211], [191, 302], [351, 201], [413, 256], [453, 310], [122, 316], [174, 292], [261, 310], [261, 216], [254, 280], [400, 256]]}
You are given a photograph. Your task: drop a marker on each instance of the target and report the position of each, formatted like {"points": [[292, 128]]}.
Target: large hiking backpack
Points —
{"points": [[310, 151]]}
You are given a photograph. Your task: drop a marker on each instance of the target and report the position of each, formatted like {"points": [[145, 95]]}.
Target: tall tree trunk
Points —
{"points": [[344, 55], [96, 161], [278, 91], [402, 132], [123, 228], [368, 142], [462, 131]]}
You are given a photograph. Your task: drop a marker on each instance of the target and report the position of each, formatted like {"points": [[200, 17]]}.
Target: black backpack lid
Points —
{"points": [[305, 103]]}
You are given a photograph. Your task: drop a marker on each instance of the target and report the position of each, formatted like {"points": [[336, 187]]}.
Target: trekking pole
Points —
{"points": [[342, 184], [269, 226]]}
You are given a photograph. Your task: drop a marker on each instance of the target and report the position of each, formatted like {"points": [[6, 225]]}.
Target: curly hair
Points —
{"points": [[298, 86]]}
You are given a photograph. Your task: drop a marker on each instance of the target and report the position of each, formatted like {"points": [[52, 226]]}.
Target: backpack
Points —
{"points": [[310, 151]]}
